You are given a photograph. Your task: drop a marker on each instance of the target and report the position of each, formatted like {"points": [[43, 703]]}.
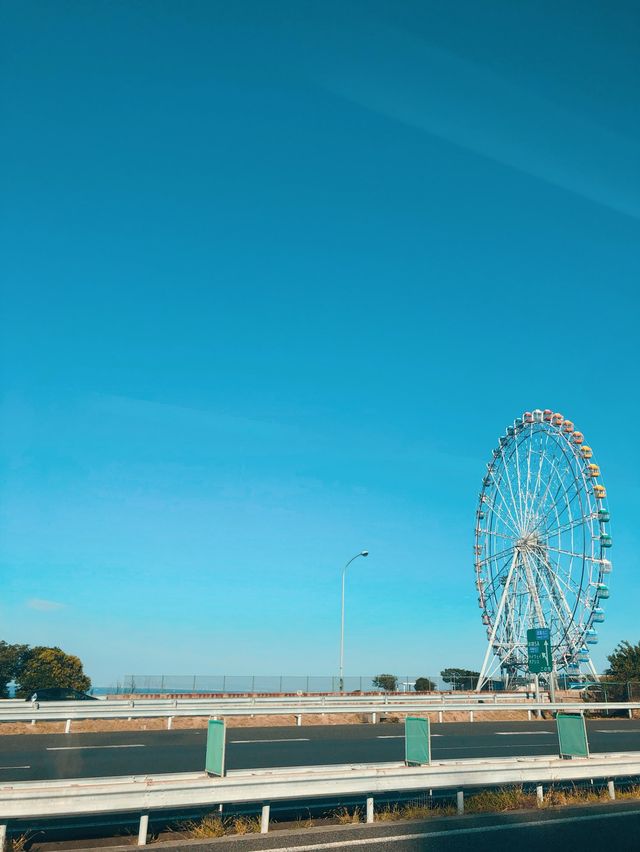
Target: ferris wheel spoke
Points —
{"points": [[556, 502], [543, 452], [499, 534], [572, 553], [492, 557], [547, 533], [519, 482], [505, 504], [506, 468], [493, 507]]}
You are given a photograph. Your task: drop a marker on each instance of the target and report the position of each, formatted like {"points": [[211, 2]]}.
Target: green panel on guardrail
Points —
{"points": [[417, 742], [214, 764], [572, 735]]}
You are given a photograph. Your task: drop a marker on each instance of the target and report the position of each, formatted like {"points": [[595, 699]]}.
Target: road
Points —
{"points": [[613, 826], [47, 756]]}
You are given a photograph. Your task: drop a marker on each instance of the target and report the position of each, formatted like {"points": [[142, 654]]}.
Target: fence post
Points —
{"points": [[539, 794], [67, 727], [142, 831], [369, 808], [611, 787], [264, 818], [460, 802]]}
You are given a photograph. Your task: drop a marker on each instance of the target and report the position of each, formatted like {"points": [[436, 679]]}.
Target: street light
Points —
{"points": [[344, 572]]}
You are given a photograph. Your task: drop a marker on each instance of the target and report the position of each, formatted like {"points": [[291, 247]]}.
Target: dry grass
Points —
{"points": [[210, 825], [554, 798], [213, 825], [20, 843], [347, 817], [502, 799], [425, 809]]}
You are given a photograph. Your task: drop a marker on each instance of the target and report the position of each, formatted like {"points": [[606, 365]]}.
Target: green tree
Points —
{"points": [[48, 667], [460, 679], [12, 659], [387, 682], [424, 684], [624, 662]]}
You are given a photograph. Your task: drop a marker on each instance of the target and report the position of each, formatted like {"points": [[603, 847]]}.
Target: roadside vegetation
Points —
{"points": [[39, 667]]}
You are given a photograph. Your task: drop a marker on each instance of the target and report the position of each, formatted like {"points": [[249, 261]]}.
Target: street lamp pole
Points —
{"points": [[344, 574]]}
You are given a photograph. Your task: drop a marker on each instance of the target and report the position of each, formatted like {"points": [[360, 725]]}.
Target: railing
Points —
{"points": [[163, 683], [144, 794], [296, 706]]}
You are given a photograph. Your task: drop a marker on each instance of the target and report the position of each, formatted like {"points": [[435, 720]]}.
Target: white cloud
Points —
{"points": [[44, 605]]}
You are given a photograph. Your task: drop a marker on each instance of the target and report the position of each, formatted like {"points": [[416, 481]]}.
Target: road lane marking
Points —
{"points": [[15, 767], [399, 736], [618, 731], [82, 748], [285, 740], [523, 733], [484, 829]]}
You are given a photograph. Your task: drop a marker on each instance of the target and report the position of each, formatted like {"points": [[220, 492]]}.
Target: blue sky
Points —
{"points": [[276, 276]]}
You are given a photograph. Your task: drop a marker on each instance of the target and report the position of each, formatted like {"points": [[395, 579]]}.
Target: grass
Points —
{"points": [[212, 825], [347, 817], [502, 799], [484, 801], [425, 808]]}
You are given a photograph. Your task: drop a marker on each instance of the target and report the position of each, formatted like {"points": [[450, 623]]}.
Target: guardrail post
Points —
{"points": [[611, 787], [440, 717], [471, 715], [529, 715], [369, 808], [3, 838], [264, 819], [460, 802], [298, 719], [67, 727], [143, 830], [169, 722], [373, 718], [539, 794]]}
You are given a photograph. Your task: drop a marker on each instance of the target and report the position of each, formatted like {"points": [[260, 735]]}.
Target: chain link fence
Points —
{"points": [[290, 684]]}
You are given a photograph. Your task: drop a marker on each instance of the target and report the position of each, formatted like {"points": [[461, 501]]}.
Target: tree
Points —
{"points": [[424, 684], [624, 662], [460, 679], [47, 667], [387, 682], [12, 659]]}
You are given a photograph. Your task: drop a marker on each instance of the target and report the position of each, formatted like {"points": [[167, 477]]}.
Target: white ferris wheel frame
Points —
{"points": [[541, 544]]}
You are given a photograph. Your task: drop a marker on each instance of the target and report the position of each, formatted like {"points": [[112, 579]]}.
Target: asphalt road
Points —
{"points": [[47, 756], [614, 826]]}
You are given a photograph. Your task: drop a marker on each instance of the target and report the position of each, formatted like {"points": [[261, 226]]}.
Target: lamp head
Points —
{"points": [[364, 553]]}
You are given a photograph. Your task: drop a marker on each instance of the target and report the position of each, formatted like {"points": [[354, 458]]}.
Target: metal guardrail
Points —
{"points": [[297, 707], [143, 794]]}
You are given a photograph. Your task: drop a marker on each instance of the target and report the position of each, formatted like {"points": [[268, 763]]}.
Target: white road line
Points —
{"points": [[524, 733], [400, 736], [15, 767], [285, 740], [382, 838], [618, 731], [82, 748]]}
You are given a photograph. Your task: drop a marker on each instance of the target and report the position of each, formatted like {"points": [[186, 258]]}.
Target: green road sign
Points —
{"points": [[539, 649], [572, 735], [417, 742], [214, 763]]}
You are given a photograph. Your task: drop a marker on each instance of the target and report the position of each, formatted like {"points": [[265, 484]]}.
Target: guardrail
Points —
{"points": [[296, 707], [145, 794]]}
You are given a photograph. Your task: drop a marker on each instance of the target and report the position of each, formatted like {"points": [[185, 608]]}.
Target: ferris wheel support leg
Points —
{"points": [[487, 656], [592, 669]]}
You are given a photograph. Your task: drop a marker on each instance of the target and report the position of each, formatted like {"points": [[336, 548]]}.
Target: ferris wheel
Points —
{"points": [[541, 545]]}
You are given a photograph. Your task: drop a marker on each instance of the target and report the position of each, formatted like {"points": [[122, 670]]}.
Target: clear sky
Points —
{"points": [[276, 276]]}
